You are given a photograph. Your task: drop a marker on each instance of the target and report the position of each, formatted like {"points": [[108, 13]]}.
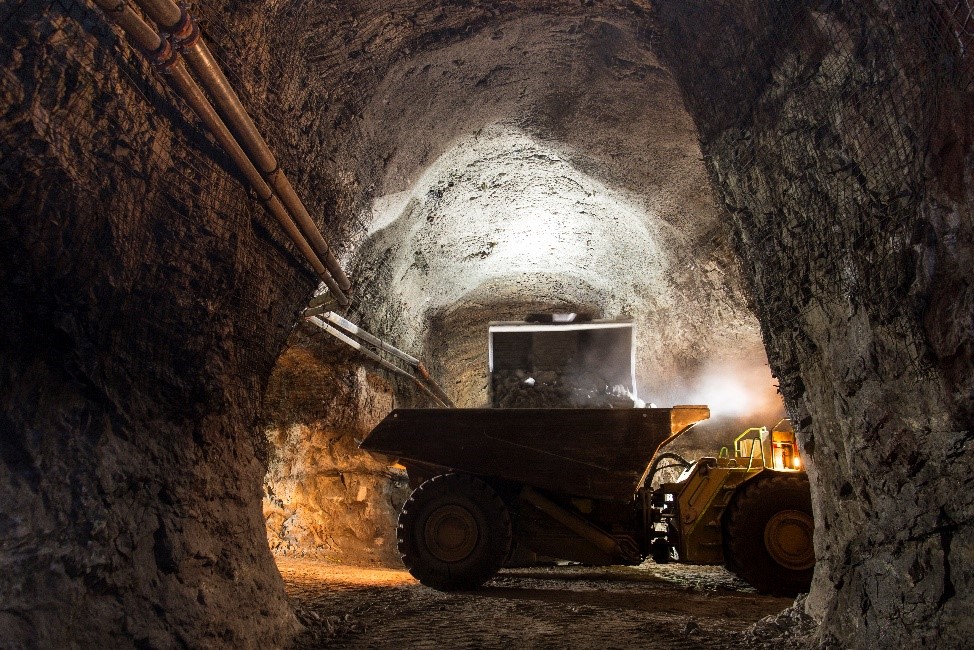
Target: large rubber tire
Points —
{"points": [[768, 530], [454, 532]]}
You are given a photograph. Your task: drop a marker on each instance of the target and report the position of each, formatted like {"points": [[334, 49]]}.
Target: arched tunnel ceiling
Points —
{"points": [[548, 163]]}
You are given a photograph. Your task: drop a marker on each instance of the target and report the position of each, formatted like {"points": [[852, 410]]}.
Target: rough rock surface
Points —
{"points": [[548, 163], [549, 389], [324, 498], [848, 175], [146, 298], [669, 607]]}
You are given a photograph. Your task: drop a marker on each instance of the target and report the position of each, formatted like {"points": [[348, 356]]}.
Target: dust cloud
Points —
{"points": [[741, 393]]}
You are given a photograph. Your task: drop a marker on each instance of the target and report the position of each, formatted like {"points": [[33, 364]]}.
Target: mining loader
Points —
{"points": [[577, 484], [751, 512]]}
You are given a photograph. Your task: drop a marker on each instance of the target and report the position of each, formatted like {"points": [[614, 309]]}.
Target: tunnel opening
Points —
{"points": [[509, 193], [528, 148], [402, 213], [490, 205]]}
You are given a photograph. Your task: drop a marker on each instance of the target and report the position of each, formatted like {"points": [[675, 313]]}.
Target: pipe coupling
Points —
{"points": [[186, 32], [273, 175], [114, 11], [163, 57]]}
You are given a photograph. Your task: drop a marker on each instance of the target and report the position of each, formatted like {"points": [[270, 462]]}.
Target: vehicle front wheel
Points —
{"points": [[454, 532], [768, 530]]}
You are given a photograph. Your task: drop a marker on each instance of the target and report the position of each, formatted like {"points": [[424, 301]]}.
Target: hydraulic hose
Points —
{"points": [[679, 461]]}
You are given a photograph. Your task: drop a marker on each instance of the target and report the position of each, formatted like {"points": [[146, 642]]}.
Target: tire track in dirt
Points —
{"points": [[660, 606]]}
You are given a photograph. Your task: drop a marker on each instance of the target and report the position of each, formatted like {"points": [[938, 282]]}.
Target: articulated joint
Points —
{"points": [[186, 32]]}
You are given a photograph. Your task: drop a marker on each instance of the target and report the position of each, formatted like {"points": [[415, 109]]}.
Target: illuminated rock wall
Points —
{"points": [[146, 296], [323, 497]]}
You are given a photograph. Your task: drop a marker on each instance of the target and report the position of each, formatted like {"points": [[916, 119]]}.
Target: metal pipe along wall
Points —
{"points": [[160, 53], [179, 23]]}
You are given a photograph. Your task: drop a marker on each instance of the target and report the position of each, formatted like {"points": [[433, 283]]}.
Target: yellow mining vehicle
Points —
{"points": [[567, 465], [751, 512], [573, 484]]}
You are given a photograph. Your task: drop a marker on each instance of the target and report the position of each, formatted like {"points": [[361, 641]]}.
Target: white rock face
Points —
{"points": [[502, 205], [503, 222], [500, 189]]}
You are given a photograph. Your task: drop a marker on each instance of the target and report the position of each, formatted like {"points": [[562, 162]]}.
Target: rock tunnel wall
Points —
{"points": [[545, 163], [146, 297], [324, 498], [841, 150]]}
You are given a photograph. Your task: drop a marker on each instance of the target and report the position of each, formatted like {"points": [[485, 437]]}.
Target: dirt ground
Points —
{"points": [[658, 606]]}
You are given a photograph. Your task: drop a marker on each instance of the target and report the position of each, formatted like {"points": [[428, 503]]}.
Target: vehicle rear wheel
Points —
{"points": [[768, 529], [454, 532]]}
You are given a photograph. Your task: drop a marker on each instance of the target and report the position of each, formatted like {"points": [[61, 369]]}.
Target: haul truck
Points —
{"points": [[577, 484]]}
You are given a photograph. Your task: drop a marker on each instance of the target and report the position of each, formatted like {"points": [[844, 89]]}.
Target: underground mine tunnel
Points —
{"points": [[776, 195]]}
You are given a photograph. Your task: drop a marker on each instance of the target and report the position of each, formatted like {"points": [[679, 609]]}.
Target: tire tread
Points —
{"points": [[744, 551], [445, 577]]}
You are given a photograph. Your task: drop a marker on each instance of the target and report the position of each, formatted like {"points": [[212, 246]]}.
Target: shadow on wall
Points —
{"points": [[324, 498]]}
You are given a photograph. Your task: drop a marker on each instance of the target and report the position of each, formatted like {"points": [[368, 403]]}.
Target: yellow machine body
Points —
{"points": [[775, 449], [701, 495], [700, 500]]}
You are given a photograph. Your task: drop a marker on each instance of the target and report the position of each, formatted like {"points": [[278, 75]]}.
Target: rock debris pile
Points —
{"points": [[550, 389]]}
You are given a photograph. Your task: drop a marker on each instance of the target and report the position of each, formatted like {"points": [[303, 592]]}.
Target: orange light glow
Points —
{"points": [[340, 576]]}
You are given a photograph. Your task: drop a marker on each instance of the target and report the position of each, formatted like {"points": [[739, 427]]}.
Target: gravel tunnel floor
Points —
{"points": [[659, 606]]}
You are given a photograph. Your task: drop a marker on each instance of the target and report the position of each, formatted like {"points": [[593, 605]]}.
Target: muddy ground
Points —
{"points": [[657, 606]]}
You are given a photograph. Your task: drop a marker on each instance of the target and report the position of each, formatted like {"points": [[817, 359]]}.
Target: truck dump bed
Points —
{"points": [[598, 453]]}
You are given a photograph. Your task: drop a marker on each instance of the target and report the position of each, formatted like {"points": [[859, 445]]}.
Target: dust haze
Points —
{"points": [[741, 393]]}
